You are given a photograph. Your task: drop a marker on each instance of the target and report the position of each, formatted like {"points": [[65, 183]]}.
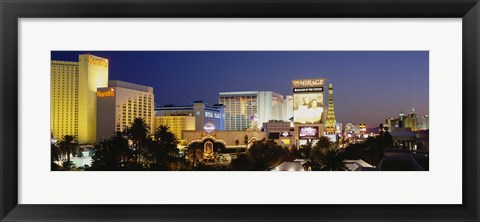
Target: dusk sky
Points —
{"points": [[369, 86]]}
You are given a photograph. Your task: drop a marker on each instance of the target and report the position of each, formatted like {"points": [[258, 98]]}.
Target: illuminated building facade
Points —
{"points": [[391, 122], [425, 123], [119, 104], [73, 101], [288, 108], [201, 112], [279, 130], [339, 128], [349, 130], [410, 121], [241, 107], [404, 121], [362, 128], [330, 119], [176, 123]]}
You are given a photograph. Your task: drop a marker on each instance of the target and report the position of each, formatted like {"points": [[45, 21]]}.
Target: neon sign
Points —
{"points": [[109, 93], [307, 83], [209, 127]]}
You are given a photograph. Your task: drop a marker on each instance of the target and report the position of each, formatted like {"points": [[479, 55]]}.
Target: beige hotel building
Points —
{"points": [[176, 124], [119, 104], [73, 96]]}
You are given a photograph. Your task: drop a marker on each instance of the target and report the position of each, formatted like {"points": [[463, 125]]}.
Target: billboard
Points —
{"points": [[305, 132], [308, 105]]}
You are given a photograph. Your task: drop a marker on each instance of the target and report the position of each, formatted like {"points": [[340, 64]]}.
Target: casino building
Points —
{"points": [[190, 117], [176, 124], [73, 96], [119, 104]]}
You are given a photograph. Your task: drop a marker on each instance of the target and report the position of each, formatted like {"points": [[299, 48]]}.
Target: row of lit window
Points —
{"points": [[64, 64]]}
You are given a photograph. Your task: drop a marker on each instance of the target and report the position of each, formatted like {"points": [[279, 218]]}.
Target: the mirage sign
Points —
{"points": [[307, 83]]}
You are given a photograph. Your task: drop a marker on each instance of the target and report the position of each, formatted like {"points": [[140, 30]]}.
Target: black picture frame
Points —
{"points": [[11, 11]]}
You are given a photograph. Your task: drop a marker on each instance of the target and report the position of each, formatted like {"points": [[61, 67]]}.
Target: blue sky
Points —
{"points": [[369, 86]]}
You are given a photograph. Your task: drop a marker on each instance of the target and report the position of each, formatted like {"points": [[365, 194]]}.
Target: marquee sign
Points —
{"points": [[308, 132]]}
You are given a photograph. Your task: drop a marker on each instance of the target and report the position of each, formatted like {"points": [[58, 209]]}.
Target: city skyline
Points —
{"points": [[369, 86]]}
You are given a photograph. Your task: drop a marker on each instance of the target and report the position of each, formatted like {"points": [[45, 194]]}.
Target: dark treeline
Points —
{"points": [[135, 149]]}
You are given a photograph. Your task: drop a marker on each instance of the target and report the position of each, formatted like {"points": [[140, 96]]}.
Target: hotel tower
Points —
{"points": [[241, 107], [73, 96], [119, 104]]}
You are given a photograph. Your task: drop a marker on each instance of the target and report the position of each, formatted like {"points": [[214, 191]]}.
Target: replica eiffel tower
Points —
{"points": [[330, 120]]}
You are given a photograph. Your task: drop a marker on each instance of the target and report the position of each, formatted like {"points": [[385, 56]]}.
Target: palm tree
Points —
{"points": [[68, 144], [138, 131], [112, 154], [122, 150], [324, 143], [313, 155], [163, 149], [266, 154], [138, 134], [55, 154], [194, 151], [163, 135], [245, 141], [333, 161]]}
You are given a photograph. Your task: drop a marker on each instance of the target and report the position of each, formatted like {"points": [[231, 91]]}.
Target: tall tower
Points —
{"points": [[330, 121], [73, 92]]}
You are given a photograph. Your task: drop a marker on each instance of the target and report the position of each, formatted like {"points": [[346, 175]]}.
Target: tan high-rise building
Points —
{"points": [[73, 100], [119, 104]]}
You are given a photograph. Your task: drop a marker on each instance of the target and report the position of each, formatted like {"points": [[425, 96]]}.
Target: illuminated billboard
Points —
{"points": [[308, 103], [307, 107], [305, 132]]}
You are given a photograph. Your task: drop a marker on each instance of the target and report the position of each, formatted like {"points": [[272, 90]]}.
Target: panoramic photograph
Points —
{"points": [[239, 110]]}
